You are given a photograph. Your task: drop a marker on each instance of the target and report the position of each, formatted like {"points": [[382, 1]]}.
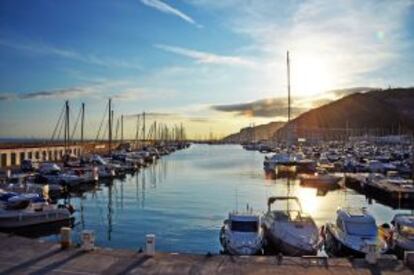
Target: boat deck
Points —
{"points": [[20, 255]]}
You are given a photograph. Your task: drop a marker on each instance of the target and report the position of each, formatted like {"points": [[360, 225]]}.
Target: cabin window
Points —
{"points": [[44, 155], [361, 229], [244, 226], [56, 154], [37, 154], [50, 155], [406, 231], [30, 155]]}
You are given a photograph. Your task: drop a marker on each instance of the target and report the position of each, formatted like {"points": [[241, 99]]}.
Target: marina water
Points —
{"points": [[183, 199]]}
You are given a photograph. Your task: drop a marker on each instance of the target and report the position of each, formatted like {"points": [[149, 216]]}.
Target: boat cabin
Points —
{"points": [[244, 222], [356, 222], [404, 225]]}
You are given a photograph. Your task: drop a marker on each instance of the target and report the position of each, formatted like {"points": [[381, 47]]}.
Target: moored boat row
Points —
{"points": [[290, 231]]}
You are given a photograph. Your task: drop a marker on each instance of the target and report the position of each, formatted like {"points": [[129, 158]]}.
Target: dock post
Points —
{"points": [[371, 256], [150, 245], [409, 258], [65, 237], [88, 240]]}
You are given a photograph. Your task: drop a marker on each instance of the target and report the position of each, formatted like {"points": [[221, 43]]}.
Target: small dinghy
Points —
{"points": [[242, 234], [290, 231], [352, 233]]}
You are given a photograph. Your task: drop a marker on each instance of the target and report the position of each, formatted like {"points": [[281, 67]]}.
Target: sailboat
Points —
{"points": [[284, 158]]}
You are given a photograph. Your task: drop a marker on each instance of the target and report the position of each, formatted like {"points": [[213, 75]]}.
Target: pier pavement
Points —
{"points": [[20, 255]]}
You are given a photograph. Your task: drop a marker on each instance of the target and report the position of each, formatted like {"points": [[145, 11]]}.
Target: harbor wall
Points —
{"points": [[11, 155]]}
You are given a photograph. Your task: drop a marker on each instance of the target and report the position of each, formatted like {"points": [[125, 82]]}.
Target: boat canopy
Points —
{"points": [[358, 222], [272, 200], [404, 219]]}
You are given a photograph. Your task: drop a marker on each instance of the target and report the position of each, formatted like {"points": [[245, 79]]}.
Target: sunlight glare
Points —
{"points": [[311, 75], [308, 200]]}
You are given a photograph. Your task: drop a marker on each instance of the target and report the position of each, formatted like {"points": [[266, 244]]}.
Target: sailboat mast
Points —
{"points": [[82, 121], [143, 126], [110, 125], [288, 84], [67, 128], [122, 128]]}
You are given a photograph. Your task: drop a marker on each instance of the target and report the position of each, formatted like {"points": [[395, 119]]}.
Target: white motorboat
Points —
{"points": [[242, 234], [279, 159], [402, 237], [53, 174], [24, 211], [290, 231], [351, 234]]}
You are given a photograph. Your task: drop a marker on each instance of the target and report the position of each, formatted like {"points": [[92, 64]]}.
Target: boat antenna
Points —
{"points": [[237, 199]]}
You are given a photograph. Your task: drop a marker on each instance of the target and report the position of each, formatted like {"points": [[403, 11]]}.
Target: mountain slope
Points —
{"points": [[259, 132], [380, 111]]}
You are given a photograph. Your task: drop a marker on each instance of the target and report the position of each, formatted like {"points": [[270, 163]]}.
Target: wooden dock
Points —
{"points": [[27, 256]]}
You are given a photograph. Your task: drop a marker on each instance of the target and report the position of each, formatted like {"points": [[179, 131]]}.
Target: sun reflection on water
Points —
{"points": [[309, 200]]}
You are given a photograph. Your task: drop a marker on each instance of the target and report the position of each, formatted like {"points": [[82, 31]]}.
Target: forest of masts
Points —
{"points": [[110, 132]]}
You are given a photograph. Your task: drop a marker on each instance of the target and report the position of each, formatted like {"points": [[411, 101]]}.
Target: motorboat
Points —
{"points": [[242, 234], [34, 215], [53, 174], [290, 231], [400, 237], [279, 159], [352, 233], [320, 180]]}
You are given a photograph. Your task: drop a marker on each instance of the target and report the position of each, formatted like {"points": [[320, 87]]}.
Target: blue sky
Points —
{"points": [[183, 58]]}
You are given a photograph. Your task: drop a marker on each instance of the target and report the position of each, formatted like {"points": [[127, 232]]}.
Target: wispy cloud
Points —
{"points": [[343, 43], [206, 57], [277, 107], [46, 49], [165, 8], [272, 107], [121, 90], [48, 94]]}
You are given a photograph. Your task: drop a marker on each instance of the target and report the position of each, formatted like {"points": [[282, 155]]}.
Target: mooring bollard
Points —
{"points": [[371, 256], [150, 245], [88, 240], [409, 259], [65, 237]]}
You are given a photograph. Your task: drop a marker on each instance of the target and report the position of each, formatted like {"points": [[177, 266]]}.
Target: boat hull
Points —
{"points": [[335, 247], [279, 245]]}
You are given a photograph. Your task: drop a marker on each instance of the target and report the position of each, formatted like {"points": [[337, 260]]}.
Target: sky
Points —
{"points": [[214, 66]]}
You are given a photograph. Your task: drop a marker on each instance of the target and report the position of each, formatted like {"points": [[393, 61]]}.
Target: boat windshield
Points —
{"points": [[407, 231], [244, 226], [364, 229]]}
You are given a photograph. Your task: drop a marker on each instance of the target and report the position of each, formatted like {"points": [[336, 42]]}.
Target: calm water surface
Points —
{"points": [[185, 197]]}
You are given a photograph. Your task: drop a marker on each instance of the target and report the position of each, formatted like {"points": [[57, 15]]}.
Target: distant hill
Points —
{"points": [[381, 112], [260, 132]]}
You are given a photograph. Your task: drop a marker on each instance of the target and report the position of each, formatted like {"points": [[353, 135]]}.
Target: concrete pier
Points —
{"points": [[13, 156], [26, 256]]}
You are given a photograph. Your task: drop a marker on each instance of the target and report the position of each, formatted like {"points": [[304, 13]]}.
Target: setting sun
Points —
{"points": [[311, 75]]}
